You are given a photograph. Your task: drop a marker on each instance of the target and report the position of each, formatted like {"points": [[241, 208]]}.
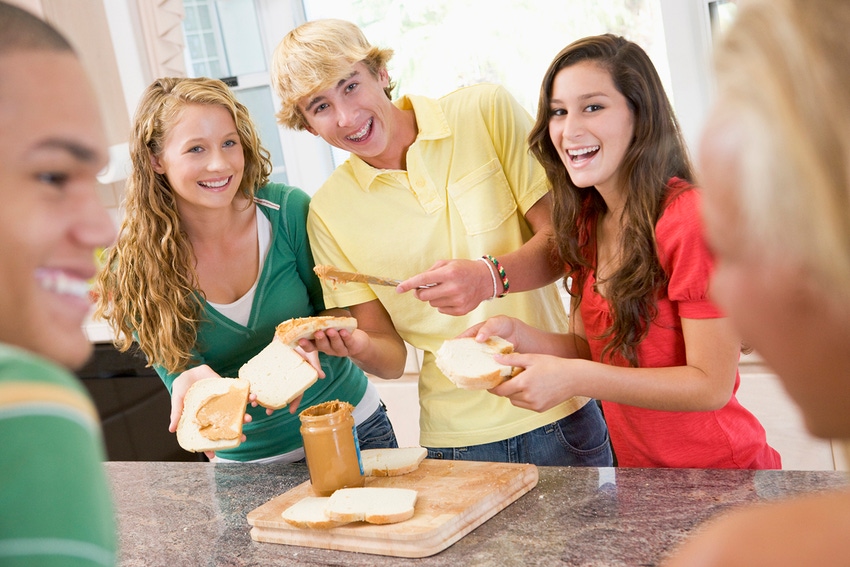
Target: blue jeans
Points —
{"points": [[377, 431], [580, 439]]}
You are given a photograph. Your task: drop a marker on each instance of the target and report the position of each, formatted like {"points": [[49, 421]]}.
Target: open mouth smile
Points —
{"points": [[63, 283], [215, 184], [582, 154], [358, 136]]}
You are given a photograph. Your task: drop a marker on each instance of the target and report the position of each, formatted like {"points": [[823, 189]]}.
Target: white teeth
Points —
{"points": [[363, 131], [61, 283], [214, 184], [582, 151]]}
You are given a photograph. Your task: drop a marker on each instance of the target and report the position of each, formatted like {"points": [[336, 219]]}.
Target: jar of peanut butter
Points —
{"points": [[331, 447]]}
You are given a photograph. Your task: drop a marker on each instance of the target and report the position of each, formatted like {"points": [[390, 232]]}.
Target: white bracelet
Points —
{"points": [[492, 275]]}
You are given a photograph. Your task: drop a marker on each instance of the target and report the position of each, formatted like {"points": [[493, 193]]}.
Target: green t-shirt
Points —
{"points": [[287, 288], [55, 501]]}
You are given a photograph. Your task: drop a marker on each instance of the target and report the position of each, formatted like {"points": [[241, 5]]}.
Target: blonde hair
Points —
{"points": [[147, 287], [783, 74], [315, 56]]}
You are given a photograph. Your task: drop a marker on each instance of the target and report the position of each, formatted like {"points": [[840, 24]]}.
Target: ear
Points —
{"points": [[310, 129], [384, 77], [156, 165]]}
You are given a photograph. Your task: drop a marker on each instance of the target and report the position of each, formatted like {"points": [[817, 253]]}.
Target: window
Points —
{"points": [[441, 45], [224, 41]]}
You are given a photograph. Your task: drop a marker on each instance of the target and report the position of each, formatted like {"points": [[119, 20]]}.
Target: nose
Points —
{"points": [[218, 160], [345, 116], [573, 126], [93, 227]]}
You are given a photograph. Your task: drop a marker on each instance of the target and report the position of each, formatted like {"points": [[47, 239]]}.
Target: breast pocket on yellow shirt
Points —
{"points": [[483, 198]]}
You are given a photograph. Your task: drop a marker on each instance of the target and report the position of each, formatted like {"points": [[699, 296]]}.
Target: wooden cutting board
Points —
{"points": [[454, 498]]}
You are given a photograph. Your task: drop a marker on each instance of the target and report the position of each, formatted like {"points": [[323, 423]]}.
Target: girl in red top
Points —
{"points": [[645, 337]]}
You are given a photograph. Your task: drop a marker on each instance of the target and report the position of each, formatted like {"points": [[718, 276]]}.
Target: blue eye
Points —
{"points": [[230, 143], [350, 87]]}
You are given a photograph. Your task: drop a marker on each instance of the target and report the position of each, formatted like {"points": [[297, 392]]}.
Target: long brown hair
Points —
{"points": [[148, 285], [657, 153]]}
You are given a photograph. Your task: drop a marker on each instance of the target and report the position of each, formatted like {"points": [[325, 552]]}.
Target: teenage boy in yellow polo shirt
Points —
{"points": [[440, 192]]}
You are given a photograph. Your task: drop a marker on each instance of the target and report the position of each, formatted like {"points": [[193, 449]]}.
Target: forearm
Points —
{"points": [[532, 265], [384, 356], [376, 346], [677, 388]]}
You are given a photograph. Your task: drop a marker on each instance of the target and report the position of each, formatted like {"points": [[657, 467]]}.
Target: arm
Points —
{"points": [[810, 530], [704, 383], [463, 284], [375, 346]]}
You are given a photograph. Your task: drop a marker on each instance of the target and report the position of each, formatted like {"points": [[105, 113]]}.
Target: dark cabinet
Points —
{"points": [[134, 407]]}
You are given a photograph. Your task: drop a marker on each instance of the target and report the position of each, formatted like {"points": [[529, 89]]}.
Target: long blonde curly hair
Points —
{"points": [[147, 288]]}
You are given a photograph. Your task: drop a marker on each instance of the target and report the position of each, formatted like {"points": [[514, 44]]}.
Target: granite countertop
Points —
{"points": [[191, 514]]}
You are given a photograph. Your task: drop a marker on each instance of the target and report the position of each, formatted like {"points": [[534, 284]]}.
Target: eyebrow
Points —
{"points": [[201, 139], [77, 150], [341, 82]]}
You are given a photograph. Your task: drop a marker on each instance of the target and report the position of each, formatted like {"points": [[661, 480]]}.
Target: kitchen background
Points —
{"points": [[439, 45]]}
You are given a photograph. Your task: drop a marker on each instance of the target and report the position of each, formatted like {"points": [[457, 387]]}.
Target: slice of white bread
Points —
{"points": [[373, 504], [392, 462], [470, 365], [310, 512], [293, 330], [213, 413], [278, 375]]}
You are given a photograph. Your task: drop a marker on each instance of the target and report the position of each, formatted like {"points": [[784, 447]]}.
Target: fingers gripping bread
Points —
{"points": [[278, 375], [293, 330], [213, 413], [470, 365]]}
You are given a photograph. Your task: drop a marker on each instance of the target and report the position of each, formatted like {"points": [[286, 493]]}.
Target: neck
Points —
{"points": [[211, 225]]}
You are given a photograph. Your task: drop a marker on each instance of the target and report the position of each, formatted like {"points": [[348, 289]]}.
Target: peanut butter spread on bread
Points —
{"points": [[216, 417]]}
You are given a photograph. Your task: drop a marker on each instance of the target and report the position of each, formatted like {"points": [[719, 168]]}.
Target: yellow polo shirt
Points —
{"points": [[469, 182]]}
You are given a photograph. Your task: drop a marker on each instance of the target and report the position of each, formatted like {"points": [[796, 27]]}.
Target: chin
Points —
{"points": [[71, 352]]}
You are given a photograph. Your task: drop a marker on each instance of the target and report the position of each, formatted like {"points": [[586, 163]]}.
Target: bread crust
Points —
{"points": [[291, 331], [392, 462], [359, 505], [310, 513]]}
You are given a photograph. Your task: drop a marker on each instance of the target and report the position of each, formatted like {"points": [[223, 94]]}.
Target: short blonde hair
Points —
{"points": [[315, 56], [783, 74]]}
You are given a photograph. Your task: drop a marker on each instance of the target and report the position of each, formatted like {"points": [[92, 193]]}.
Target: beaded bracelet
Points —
{"points": [[499, 268], [492, 275]]}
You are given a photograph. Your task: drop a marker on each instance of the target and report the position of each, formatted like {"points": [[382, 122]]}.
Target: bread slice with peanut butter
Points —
{"points": [[213, 413]]}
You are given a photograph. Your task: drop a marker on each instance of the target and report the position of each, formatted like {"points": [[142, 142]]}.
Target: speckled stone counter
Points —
{"points": [[193, 514]]}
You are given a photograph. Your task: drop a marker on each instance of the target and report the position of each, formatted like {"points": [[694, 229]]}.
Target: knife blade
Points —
{"points": [[335, 276]]}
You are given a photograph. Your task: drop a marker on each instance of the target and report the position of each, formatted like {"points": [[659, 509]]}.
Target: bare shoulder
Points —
{"points": [[810, 530]]}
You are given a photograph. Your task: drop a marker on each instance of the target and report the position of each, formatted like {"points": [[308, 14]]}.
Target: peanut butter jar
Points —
{"points": [[331, 447]]}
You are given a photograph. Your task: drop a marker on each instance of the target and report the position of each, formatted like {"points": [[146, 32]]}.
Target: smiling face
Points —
{"points": [[51, 220], [771, 296], [355, 115], [202, 158], [591, 125]]}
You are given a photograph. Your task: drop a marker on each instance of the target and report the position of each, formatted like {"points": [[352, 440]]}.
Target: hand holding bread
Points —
{"points": [[203, 403], [471, 365]]}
